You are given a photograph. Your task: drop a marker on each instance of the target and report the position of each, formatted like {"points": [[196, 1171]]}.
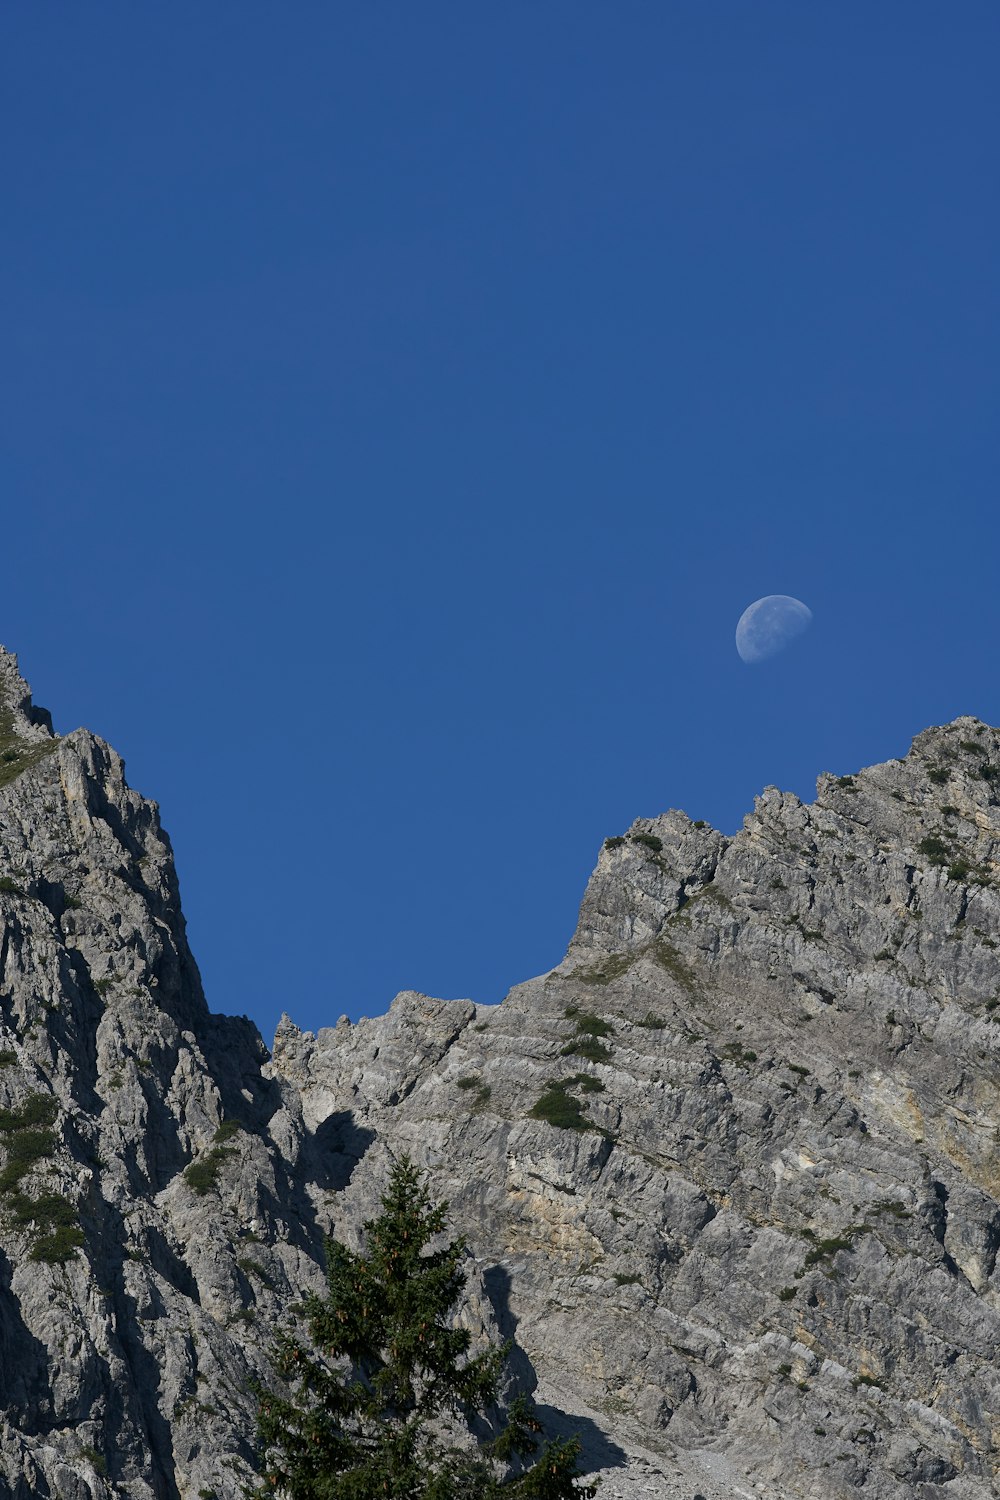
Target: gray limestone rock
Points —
{"points": [[757, 1257]]}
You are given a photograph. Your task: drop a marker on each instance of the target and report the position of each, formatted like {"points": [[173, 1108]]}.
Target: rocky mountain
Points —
{"points": [[729, 1173]]}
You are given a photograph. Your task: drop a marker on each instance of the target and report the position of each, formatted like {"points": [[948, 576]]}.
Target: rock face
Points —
{"points": [[729, 1172]]}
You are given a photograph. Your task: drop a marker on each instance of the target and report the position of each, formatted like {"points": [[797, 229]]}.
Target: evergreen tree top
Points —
{"points": [[385, 1389]]}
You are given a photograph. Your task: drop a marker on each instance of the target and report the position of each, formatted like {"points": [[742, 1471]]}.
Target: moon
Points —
{"points": [[769, 624]]}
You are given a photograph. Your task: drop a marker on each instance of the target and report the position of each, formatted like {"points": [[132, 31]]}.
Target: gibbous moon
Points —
{"points": [[769, 624]]}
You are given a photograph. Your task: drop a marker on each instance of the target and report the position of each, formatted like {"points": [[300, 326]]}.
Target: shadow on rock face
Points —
{"points": [[234, 1051], [38, 1489], [145, 1375], [24, 1369], [168, 1264], [336, 1148], [597, 1451], [520, 1371]]}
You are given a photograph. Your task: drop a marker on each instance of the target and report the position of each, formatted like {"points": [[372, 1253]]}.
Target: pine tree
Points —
{"points": [[385, 1382]]}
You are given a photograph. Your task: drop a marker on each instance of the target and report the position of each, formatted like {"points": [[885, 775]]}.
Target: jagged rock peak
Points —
{"points": [[19, 717]]}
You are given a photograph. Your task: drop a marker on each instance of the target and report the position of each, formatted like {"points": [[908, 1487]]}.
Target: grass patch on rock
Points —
{"points": [[826, 1249], [668, 958], [17, 754], [473, 1084], [742, 1056], [251, 1267], [611, 967]]}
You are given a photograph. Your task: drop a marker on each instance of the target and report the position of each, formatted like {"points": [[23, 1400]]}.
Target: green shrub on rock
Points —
{"points": [[50, 1218], [202, 1175], [935, 849], [557, 1106]]}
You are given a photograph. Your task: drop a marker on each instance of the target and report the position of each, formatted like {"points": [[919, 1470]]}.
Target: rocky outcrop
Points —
{"points": [[127, 1289], [728, 1173]]}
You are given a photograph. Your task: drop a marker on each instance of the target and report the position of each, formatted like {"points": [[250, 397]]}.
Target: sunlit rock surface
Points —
{"points": [[763, 1263]]}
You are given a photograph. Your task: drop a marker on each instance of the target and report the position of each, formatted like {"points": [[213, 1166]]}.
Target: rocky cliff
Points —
{"points": [[729, 1172]]}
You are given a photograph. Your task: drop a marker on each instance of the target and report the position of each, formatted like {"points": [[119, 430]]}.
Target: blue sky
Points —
{"points": [[402, 403]]}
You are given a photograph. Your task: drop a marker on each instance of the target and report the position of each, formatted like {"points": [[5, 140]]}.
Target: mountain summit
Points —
{"points": [[728, 1173]]}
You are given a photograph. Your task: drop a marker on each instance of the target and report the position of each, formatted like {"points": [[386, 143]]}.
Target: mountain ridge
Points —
{"points": [[728, 1171]]}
